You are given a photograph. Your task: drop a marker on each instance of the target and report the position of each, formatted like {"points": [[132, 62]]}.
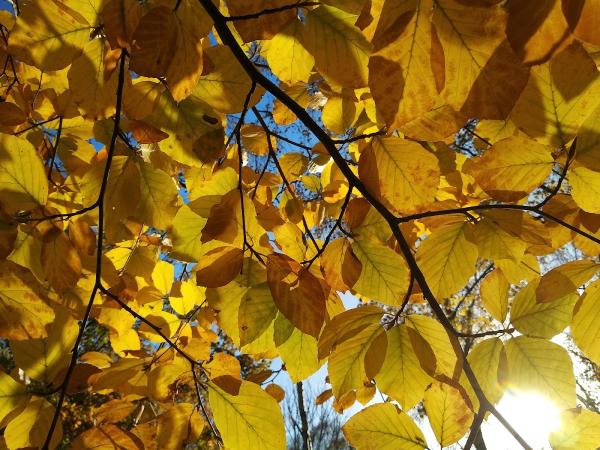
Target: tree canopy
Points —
{"points": [[187, 187]]}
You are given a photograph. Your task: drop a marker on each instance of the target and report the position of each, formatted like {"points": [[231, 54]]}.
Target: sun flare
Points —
{"points": [[533, 416]]}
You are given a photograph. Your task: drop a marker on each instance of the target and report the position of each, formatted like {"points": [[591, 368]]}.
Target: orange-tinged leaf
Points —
{"points": [[537, 30], [298, 294], [219, 266], [180, 423], [275, 391], [23, 308], [120, 19]]}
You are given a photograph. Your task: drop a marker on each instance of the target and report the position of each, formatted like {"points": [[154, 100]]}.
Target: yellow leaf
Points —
{"points": [[30, 427], [447, 258], [287, 57], [584, 326], [49, 34], [347, 324], [384, 276], [436, 338], [494, 294], [488, 361], [224, 371], [448, 413], [357, 360], [293, 165], [158, 197], [400, 171], [545, 319], [559, 96], [92, 83], [495, 243], [483, 77], [401, 376], [339, 113], [23, 183], [162, 377], [401, 76], [186, 231], [383, 426], [180, 423], [23, 309], [226, 84], [541, 366], [12, 394], [256, 311], [266, 25], [191, 295], [107, 437], [185, 69], [340, 50], [245, 306], [162, 276], [537, 30], [298, 350], [565, 279], [154, 42], [251, 419], [511, 168], [60, 260], [194, 131], [579, 430], [44, 359], [586, 188]]}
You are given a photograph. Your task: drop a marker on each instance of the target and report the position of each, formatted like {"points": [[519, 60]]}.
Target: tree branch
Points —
{"points": [[267, 11], [228, 39], [306, 443], [532, 209], [99, 203]]}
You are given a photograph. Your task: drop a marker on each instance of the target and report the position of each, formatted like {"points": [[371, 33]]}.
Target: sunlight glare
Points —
{"points": [[532, 415]]}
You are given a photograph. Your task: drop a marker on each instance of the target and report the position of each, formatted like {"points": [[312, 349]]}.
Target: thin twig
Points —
{"points": [[281, 172], [336, 225], [533, 209], [97, 284], [267, 11]]}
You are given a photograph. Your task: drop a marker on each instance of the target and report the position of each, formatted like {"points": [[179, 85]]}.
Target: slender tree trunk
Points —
{"points": [[306, 443]]}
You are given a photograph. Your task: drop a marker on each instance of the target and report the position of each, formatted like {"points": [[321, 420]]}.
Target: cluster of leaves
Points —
{"points": [[154, 186]]}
